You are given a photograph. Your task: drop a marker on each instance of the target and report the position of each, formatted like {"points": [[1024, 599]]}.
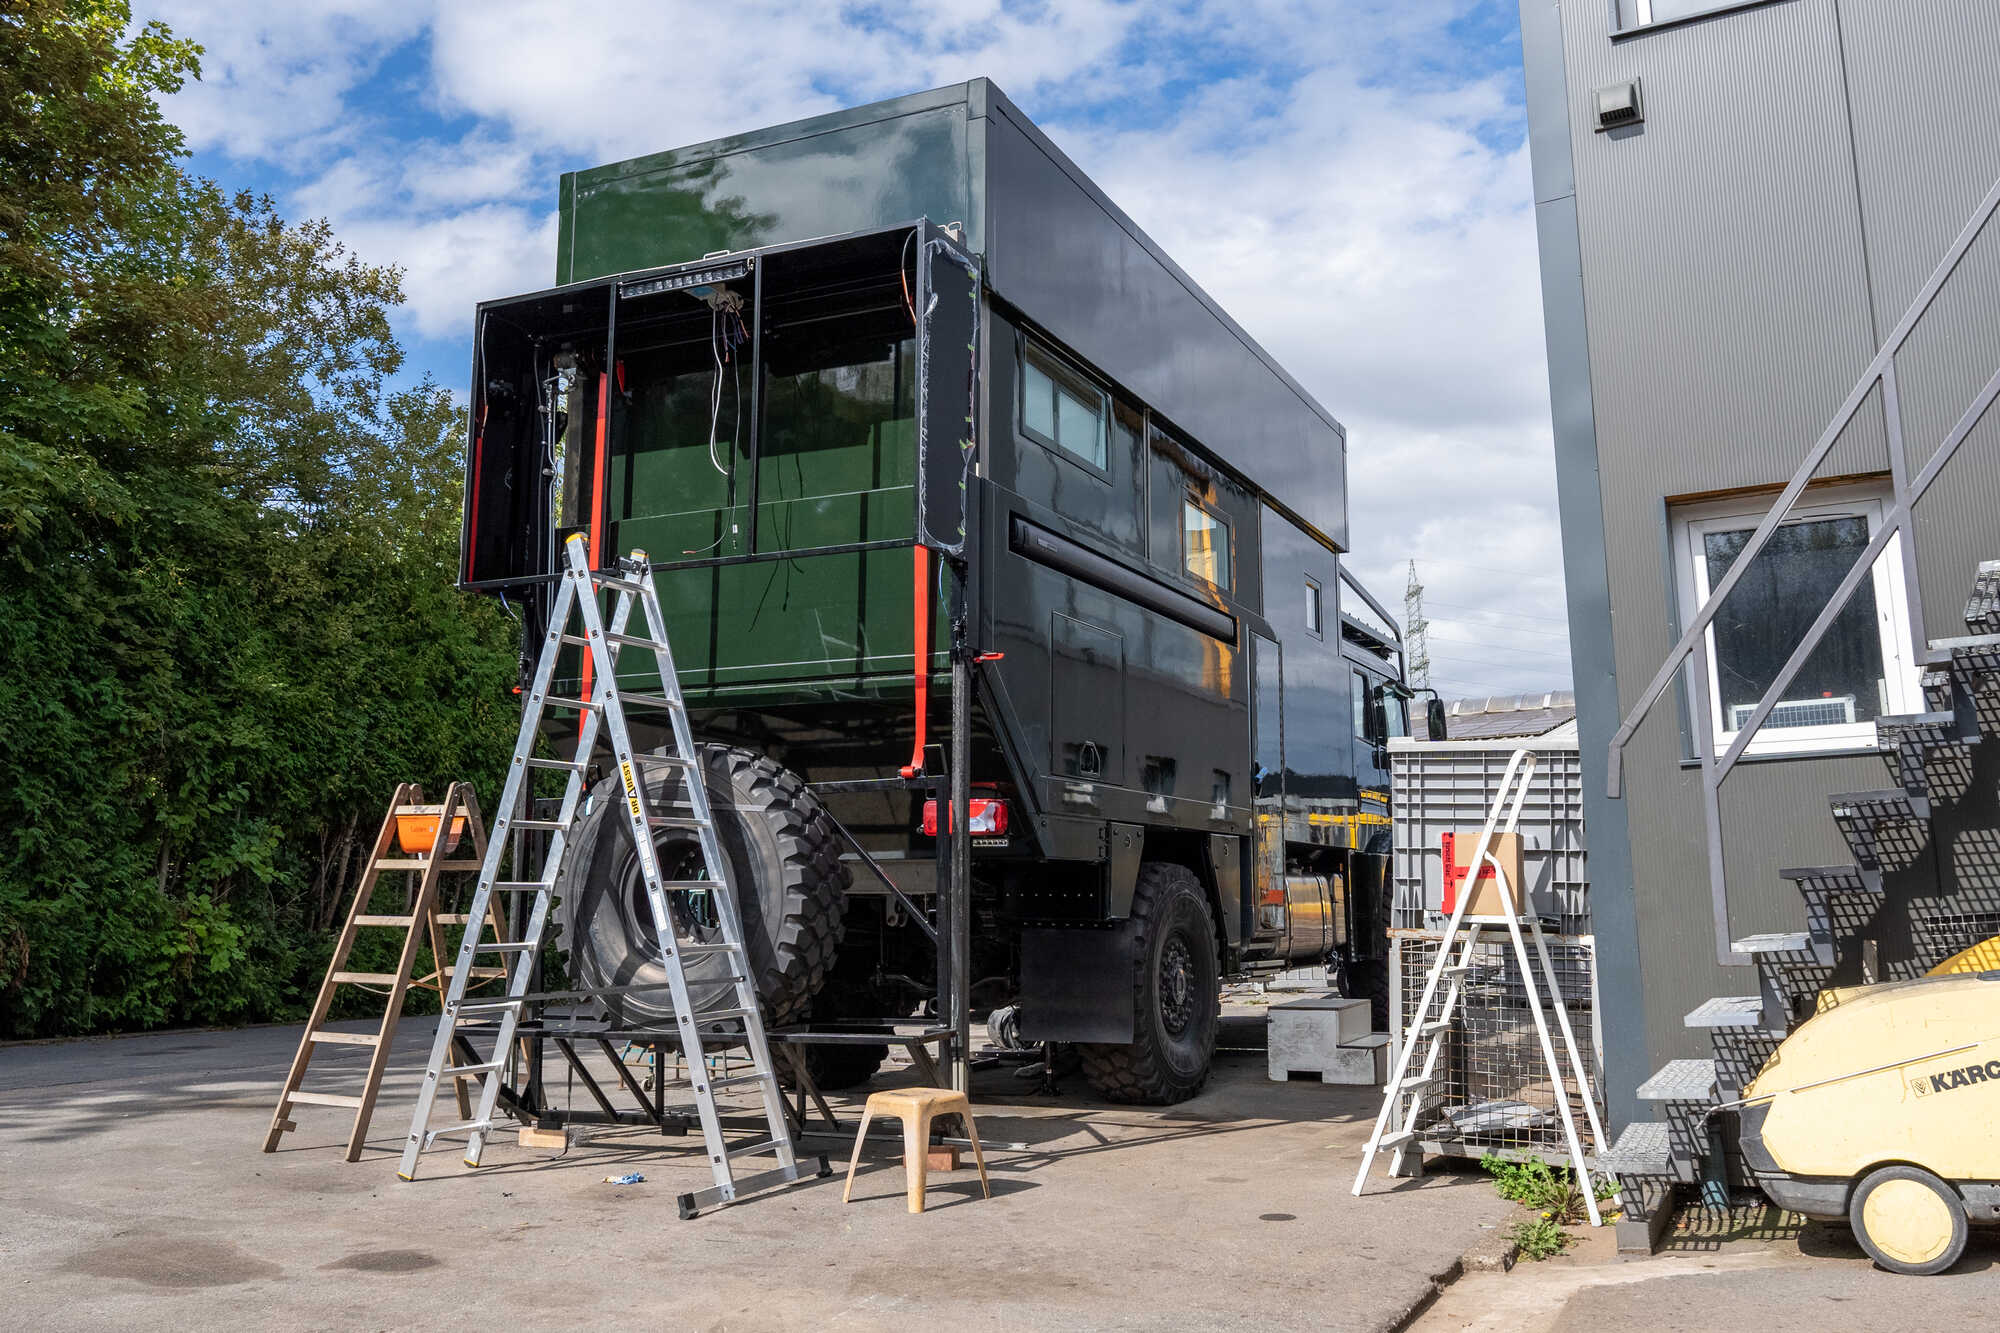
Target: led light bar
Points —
{"points": [[693, 280]]}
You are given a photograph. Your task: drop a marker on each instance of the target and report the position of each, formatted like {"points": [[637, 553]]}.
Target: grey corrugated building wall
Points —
{"points": [[1715, 280]]}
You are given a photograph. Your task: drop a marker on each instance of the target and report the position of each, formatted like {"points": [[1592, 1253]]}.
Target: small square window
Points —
{"points": [[1061, 408], [1315, 626], [1204, 544], [1080, 427], [1859, 671]]}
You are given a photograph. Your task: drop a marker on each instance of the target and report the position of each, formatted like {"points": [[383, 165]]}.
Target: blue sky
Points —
{"points": [[1348, 177]]}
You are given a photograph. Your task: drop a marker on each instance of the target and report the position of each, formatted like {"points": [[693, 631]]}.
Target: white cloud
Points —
{"points": [[453, 261], [1338, 190], [275, 76]]}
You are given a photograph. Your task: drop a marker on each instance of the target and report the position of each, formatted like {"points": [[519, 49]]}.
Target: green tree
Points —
{"points": [[227, 625]]}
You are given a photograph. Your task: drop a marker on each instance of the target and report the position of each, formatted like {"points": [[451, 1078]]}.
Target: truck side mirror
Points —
{"points": [[1434, 718]]}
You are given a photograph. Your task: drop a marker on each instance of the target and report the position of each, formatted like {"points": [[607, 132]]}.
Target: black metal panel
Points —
{"points": [[1225, 862], [1079, 561], [508, 488], [1070, 260], [1076, 985], [1127, 847], [947, 388], [1086, 701]]}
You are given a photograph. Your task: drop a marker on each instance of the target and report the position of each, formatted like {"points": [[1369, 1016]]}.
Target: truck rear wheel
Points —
{"points": [[1908, 1220], [1176, 995], [782, 861]]}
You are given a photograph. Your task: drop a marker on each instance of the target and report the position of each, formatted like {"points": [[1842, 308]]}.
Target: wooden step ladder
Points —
{"points": [[420, 920]]}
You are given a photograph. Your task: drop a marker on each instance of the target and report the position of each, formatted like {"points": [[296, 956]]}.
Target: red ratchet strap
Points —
{"points": [[921, 615]]}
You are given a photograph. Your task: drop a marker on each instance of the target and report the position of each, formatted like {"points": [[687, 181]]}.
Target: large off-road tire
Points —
{"points": [[783, 863], [1176, 995]]}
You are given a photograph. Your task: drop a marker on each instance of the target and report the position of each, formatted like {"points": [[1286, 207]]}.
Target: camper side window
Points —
{"points": [[1861, 668], [1204, 544], [1062, 409]]}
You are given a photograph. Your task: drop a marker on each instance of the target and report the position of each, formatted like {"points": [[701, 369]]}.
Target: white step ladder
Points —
{"points": [[603, 712], [1407, 1093]]}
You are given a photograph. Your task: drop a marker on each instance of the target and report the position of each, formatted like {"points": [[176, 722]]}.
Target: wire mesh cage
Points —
{"points": [[1494, 1090]]}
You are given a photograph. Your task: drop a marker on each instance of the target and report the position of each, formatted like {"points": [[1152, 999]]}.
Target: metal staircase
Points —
{"points": [[1935, 758], [1904, 903]]}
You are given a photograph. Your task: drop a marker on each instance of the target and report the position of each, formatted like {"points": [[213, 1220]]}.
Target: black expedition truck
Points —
{"points": [[935, 452]]}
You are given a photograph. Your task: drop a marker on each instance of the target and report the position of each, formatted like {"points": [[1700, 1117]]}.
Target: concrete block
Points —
{"points": [[1318, 1035]]}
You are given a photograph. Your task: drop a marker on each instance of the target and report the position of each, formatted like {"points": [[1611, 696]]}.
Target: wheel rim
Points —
{"points": [[1907, 1221], [1177, 984], [692, 910]]}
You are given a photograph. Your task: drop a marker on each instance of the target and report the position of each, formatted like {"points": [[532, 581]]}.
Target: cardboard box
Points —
{"points": [[1487, 896]]}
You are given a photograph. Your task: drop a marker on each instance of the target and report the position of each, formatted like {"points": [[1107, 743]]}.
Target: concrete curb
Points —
{"points": [[1495, 1253]]}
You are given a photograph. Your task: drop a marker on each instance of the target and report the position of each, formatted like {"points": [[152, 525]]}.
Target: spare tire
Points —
{"points": [[782, 863]]}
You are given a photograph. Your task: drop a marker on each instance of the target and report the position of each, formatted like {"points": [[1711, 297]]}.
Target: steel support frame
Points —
{"points": [[1689, 656]]}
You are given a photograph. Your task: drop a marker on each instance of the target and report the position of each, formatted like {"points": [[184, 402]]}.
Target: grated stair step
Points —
{"points": [[1833, 879], [1727, 1011], [1641, 1151], [1982, 609], [1685, 1089], [1680, 1081], [1912, 744], [1886, 830], [1775, 942], [1841, 903], [1974, 659]]}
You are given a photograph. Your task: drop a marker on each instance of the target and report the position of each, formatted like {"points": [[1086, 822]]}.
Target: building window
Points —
{"points": [[1644, 13], [1204, 544], [1315, 625], [1861, 669], [1062, 409]]}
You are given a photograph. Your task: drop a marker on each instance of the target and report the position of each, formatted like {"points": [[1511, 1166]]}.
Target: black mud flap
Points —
{"points": [[1076, 985]]}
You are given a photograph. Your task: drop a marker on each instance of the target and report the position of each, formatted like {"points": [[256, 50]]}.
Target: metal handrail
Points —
{"points": [[1907, 491]]}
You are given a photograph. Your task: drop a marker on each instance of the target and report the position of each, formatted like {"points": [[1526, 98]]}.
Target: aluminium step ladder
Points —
{"points": [[1429, 1028], [603, 719], [419, 920]]}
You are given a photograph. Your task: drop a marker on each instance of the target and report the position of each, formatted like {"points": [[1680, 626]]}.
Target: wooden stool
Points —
{"points": [[917, 1108]]}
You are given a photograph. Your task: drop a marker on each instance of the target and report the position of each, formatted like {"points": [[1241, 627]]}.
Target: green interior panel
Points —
{"points": [[836, 466], [838, 459], [674, 490], [787, 620]]}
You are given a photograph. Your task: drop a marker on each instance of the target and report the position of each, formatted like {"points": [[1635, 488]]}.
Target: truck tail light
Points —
{"points": [[986, 817]]}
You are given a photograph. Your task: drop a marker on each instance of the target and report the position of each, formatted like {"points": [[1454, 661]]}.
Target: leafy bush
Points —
{"points": [[227, 621]]}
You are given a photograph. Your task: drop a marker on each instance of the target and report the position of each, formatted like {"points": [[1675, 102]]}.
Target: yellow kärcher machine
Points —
{"points": [[1884, 1108]]}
